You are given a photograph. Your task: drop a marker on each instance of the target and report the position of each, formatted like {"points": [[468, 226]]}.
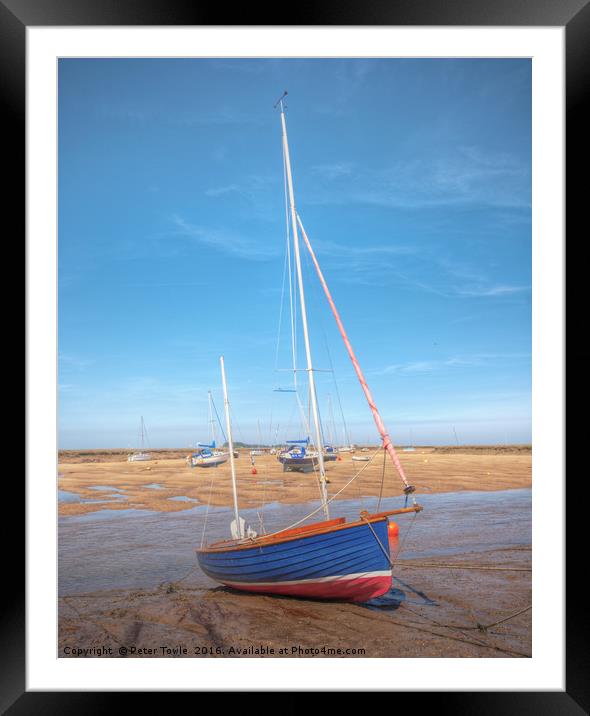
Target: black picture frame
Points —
{"points": [[574, 15]]}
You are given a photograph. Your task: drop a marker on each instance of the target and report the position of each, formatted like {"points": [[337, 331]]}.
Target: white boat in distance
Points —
{"points": [[206, 455], [141, 455]]}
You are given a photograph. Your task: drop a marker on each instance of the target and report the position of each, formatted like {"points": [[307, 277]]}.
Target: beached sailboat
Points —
{"points": [[331, 559], [297, 456], [206, 455], [346, 448], [141, 455]]}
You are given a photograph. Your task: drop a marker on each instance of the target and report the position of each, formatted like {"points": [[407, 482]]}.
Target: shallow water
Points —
{"points": [[113, 549], [65, 496], [105, 488]]}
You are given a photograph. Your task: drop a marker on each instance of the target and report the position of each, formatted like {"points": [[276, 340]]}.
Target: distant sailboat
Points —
{"points": [[140, 456], [331, 559], [206, 455], [410, 447], [257, 451]]}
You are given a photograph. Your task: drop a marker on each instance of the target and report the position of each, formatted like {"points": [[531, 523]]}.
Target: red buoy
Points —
{"points": [[393, 529], [254, 471]]}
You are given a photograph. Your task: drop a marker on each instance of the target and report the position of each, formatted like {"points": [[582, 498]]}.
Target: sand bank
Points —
{"points": [[167, 485]]}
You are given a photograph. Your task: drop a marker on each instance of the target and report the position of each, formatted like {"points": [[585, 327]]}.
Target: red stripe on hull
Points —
{"points": [[359, 589]]}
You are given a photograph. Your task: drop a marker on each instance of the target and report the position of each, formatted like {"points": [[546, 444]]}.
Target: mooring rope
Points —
{"points": [[466, 640], [485, 627]]}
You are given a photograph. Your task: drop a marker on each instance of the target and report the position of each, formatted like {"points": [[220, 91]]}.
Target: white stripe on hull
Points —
{"points": [[340, 577]]}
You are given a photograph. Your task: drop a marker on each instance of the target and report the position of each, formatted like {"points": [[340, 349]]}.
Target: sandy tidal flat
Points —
{"points": [[167, 485]]}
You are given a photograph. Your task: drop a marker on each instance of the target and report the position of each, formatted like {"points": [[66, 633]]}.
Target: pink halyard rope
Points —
{"points": [[387, 444]]}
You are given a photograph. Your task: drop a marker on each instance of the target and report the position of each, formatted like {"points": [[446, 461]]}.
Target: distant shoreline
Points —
{"points": [[116, 454]]}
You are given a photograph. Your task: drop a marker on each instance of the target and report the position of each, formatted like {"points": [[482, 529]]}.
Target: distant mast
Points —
{"points": [[312, 388]]}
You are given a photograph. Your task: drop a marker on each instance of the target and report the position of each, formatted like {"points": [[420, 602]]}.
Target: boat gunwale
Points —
{"points": [[285, 536]]}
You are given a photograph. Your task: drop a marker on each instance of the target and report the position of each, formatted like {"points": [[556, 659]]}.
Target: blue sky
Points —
{"points": [[413, 180]]}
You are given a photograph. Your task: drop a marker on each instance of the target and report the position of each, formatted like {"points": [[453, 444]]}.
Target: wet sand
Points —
{"points": [[167, 484], [129, 581], [428, 613]]}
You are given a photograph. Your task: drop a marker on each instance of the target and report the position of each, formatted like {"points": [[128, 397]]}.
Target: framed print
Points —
{"points": [[295, 373]]}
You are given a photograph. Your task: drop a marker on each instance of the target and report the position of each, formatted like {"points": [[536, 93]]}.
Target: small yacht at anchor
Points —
{"points": [[141, 455]]}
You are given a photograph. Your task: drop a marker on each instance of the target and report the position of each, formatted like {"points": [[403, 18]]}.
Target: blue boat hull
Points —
{"points": [[339, 562]]}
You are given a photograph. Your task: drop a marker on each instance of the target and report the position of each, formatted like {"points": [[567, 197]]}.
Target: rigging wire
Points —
{"points": [[218, 419], [281, 308], [322, 326]]}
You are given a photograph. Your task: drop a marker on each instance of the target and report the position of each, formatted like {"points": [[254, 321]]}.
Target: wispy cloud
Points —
{"points": [[426, 366], [465, 176], [412, 267], [333, 171], [220, 191], [498, 290], [225, 241], [136, 113], [452, 362], [348, 80], [73, 362], [258, 192]]}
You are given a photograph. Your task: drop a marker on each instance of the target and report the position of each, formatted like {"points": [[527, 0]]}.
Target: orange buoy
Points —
{"points": [[393, 529], [338, 458], [254, 471]]}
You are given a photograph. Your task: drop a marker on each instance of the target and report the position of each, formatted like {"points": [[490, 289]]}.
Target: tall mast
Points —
{"points": [[231, 449], [142, 432], [313, 395], [387, 444]]}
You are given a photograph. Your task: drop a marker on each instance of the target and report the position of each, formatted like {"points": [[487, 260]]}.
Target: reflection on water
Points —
{"points": [[110, 549]]}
